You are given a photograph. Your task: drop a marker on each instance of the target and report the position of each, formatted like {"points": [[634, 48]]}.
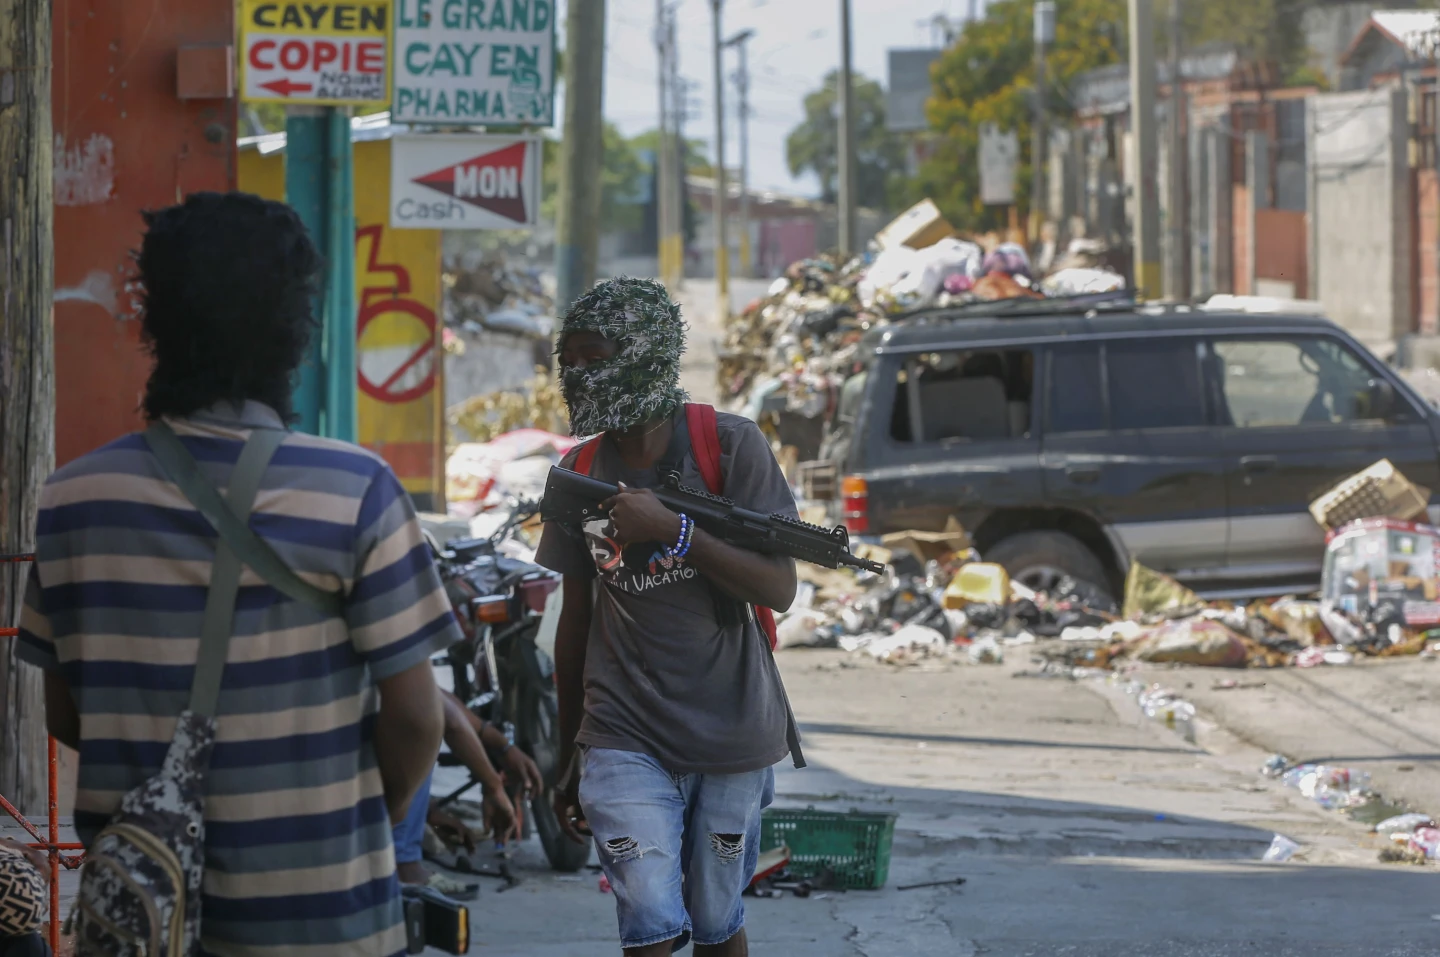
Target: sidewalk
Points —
{"points": [[1380, 716]]}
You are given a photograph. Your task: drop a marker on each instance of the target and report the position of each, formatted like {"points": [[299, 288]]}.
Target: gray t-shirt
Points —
{"points": [[664, 675]]}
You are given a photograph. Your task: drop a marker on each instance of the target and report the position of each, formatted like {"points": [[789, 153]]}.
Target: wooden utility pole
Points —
{"points": [[742, 110], [27, 369], [1146, 227], [722, 185], [582, 148], [846, 166]]}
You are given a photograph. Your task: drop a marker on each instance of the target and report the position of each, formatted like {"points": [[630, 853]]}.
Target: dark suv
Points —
{"points": [[1075, 443]]}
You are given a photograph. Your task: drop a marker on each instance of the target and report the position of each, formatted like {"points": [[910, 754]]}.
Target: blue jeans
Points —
{"points": [[678, 848], [410, 833]]}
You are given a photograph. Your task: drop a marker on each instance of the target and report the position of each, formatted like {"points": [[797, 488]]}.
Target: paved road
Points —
{"points": [[1081, 830]]}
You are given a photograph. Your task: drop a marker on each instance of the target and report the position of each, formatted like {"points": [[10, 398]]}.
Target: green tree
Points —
{"points": [[696, 160], [988, 77], [813, 146], [1264, 31], [621, 173]]}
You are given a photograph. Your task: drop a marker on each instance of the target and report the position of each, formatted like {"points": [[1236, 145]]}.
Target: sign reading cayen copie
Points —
{"points": [[464, 181], [461, 62], [331, 54]]}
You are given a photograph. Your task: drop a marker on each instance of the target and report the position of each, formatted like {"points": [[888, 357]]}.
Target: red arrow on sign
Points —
{"points": [[285, 86], [492, 181]]}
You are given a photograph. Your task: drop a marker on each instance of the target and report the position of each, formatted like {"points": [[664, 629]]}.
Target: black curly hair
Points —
{"points": [[228, 284]]}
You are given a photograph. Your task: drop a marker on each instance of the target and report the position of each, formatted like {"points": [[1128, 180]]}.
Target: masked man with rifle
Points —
{"points": [[666, 681]]}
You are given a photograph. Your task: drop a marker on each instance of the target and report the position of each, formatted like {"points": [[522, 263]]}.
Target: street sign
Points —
{"points": [[395, 341], [330, 54], [460, 181], [472, 62], [999, 157]]}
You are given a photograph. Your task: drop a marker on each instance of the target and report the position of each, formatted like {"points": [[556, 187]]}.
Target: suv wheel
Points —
{"points": [[1038, 560]]}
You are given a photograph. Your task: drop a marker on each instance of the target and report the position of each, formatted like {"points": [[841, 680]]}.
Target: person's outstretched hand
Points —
{"points": [[500, 815], [32, 854], [524, 769]]}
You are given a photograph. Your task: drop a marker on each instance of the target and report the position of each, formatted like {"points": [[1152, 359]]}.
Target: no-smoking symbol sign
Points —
{"points": [[396, 350]]}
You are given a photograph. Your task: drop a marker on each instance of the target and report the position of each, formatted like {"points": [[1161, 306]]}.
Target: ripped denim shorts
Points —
{"points": [[677, 848]]}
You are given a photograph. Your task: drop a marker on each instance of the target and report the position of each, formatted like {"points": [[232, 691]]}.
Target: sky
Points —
{"points": [[796, 43]]}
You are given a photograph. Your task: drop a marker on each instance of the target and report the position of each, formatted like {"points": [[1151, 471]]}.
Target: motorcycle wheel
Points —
{"points": [[564, 855], [536, 726]]}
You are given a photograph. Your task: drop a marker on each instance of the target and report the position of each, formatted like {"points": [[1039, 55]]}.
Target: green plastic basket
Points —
{"points": [[851, 851]]}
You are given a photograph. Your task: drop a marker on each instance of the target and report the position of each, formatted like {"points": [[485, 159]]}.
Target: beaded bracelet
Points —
{"points": [[687, 534], [682, 544]]}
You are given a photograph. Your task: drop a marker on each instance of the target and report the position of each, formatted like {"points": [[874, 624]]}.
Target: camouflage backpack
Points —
{"points": [[140, 886]]}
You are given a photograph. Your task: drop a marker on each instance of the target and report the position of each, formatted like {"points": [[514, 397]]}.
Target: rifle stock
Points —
{"points": [[574, 498]]}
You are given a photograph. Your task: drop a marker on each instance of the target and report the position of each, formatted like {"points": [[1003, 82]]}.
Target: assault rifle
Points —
{"points": [[573, 498]]}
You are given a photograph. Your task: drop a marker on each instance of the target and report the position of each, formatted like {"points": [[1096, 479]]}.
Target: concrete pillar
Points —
{"points": [[1219, 226], [1257, 182], [1202, 281]]}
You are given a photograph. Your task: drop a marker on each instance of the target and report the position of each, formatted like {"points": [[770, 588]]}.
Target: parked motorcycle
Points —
{"points": [[499, 671]]}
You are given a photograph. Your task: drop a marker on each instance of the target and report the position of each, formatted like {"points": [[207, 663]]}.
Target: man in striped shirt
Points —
{"points": [[326, 728]]}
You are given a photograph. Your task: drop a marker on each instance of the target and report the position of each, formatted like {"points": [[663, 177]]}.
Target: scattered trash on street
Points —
{"points": [[952, 882], [1281, 850]]}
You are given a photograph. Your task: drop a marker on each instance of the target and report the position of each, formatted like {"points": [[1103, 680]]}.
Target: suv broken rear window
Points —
{"points": [[977, 395]]}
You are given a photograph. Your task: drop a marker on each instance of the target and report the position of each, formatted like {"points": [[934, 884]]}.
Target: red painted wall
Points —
{"points": [[124, 142], [1282, 242]]}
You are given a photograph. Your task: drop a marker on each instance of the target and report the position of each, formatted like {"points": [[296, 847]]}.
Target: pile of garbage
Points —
{"points": [[790, 353], [1412, 837], [538, 404], [485, 477], [1380, 597], [483, 291], [786, 357]]}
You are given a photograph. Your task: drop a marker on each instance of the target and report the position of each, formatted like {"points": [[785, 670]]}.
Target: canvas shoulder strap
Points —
{"points": [[250, 548], [219, 620]]}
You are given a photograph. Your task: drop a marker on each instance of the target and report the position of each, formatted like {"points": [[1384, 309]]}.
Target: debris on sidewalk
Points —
{"points": [[1403, 824], [1193, 642], [483, 475], [1330, 787], [1379, 491], [1281, 850], [1379, 597]]}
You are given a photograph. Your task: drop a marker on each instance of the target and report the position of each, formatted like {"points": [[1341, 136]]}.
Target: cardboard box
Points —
{"points": [[919, 226], [928, 546], [1380, 491]]}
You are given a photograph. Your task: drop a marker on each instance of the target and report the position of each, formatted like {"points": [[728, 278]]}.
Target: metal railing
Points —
{"points": [[51, 844]]}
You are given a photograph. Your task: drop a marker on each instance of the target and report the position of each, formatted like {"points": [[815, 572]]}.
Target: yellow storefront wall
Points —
{"points": [[398, 351]]}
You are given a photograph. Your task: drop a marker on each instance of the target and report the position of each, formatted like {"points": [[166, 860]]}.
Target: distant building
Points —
{"points": [[1390, 44]]}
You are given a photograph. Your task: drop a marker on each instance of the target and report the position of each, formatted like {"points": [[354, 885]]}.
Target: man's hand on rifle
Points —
{"points": [[638, 516]]}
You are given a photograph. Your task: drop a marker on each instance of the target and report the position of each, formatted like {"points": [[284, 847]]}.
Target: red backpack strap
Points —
{"points": [[705, 443], [585, 458], [766, 617]]}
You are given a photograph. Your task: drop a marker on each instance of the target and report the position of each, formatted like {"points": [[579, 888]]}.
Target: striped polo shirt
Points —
{"points": [[298, 857]]}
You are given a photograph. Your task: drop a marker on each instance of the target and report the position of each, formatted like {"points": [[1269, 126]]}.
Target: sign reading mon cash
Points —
{"points": [[464, 181], [462, 62], [335, 54]]}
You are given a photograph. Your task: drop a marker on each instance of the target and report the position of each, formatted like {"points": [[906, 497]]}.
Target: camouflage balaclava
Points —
{"points": [[642, 380]]}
